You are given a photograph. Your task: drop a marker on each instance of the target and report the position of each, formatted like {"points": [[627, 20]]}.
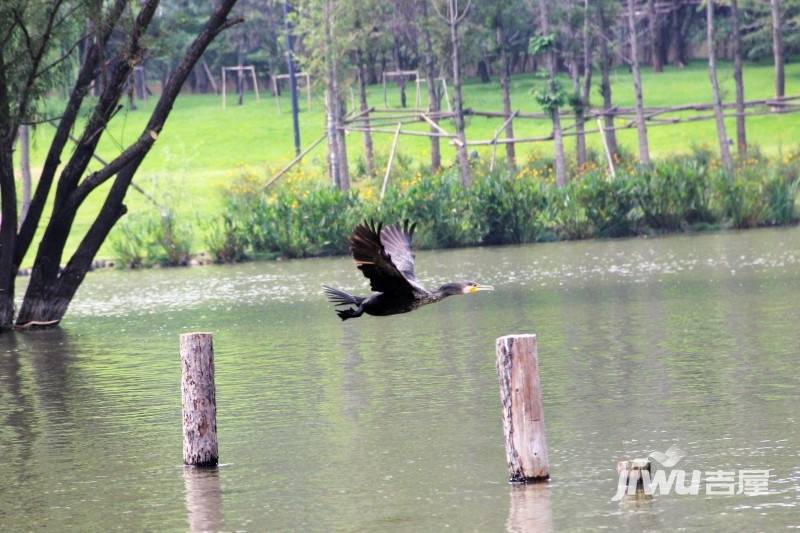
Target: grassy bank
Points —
{"points": [[305, 217], [204, 147]]}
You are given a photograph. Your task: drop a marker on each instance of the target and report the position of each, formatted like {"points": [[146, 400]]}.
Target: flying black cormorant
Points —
{"points": [[383, 255]]}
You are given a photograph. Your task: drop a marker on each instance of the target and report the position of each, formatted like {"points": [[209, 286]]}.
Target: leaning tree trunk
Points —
{"points": [[505, 86], [369, 156], [558, 141], [433, 94], [51, 289], [777, 47], [644, 150], [741, 131], [724, 149]]}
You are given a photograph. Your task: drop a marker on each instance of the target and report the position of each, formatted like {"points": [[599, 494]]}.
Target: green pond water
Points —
{"points": [[394, 423]]}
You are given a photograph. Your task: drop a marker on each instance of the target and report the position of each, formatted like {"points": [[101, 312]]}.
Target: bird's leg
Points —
{"points": [[344, 314]]}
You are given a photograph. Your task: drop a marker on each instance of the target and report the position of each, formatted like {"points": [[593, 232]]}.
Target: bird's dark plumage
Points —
{"points": [[383, 255]]}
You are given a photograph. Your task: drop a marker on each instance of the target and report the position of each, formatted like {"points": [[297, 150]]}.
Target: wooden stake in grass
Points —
{"points": [[523, 417], [199, 400], [391, 160]]}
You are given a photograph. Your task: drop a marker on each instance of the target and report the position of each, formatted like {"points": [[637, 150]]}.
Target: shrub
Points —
{"points": [[508, 209], [152, 238], [607, 203]]}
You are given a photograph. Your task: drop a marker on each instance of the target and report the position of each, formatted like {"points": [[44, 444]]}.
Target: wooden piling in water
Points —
{"points": [[199, 400], [630, 474], [523, 416]]}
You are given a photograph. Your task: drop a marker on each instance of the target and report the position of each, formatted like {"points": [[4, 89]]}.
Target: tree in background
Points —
{"points": [[641, 127], [724, 149], [30, 55], [551, 97], [777, 47], [741, 133], [453, 15]]}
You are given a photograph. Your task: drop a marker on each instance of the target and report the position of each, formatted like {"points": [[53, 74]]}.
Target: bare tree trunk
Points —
{"points": [[401, 80], [644, 150], [605, 91], [655, 36], [433, 93], [777, 47], [724, 149], [25, 169], [588, 44], [505, 72], [369, 156], [344, 168], [741, 131], [580, 135], [558, 141], [331, 100], [461, 148], [239, 73], [337, 154]]}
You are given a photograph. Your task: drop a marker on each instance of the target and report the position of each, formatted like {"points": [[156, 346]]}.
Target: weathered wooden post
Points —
{"points": [[523, 417], [199, 400], [631, 475]]}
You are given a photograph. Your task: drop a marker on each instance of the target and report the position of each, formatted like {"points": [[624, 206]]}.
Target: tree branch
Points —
{"points": [[53, 159]]}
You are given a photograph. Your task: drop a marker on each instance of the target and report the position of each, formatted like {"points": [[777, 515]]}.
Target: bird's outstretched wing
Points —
{"points": [[384, 256], [396, 240]]}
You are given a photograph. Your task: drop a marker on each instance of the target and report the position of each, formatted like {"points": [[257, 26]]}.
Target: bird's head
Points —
{"points": [[463, 287]]}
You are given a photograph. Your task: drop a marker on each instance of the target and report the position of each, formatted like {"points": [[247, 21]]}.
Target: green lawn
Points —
{"points": [[204, 145]]}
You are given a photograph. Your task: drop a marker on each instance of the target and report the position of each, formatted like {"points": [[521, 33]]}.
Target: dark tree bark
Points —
{"points": [[51, 289], [505, 72], [433, 93], [722, 136], [483, 71], [777, 47], [741, 130], [680, 21], [655, 36]]}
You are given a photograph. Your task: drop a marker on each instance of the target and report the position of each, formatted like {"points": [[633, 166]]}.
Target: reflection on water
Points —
{"points": [[203, 499], [394, 423], [529, 509]]}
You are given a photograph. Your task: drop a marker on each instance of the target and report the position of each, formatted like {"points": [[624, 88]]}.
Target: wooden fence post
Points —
{"points": [[199, 400], [523, 417]]}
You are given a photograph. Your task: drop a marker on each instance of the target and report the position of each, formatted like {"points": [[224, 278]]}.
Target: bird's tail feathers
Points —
{"points": [[337, 297]]}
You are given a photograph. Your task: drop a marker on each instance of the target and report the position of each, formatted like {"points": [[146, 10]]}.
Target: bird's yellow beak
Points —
{"points": [[477, 288]]}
